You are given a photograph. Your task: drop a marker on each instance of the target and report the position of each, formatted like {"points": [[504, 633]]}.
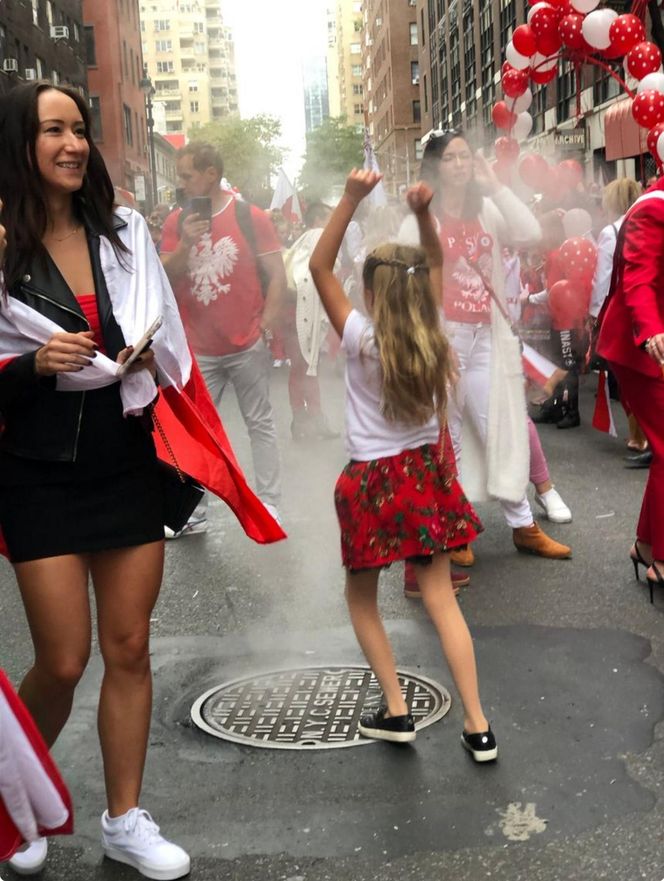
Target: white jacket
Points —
{"points": [[502, 469]]}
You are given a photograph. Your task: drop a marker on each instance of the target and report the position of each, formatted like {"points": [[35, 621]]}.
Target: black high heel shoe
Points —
{"points": [[636, 558], [653, 581]]}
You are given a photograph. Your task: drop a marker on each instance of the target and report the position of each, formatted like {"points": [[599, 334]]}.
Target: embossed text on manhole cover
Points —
{"points": [[310, 708]]}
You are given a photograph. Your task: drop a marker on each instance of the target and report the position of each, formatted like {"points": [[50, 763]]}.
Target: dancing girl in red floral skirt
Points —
{"points": [[398, 498]]}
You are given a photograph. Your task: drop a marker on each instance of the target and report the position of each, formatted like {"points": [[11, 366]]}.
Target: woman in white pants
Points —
{"points": [[477, 216]]}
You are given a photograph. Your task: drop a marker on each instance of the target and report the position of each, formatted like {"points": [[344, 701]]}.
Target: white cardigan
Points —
{"points": [[502, 468]]}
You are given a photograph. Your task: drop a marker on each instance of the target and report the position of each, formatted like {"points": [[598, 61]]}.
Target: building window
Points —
{"points": [[165, 67], [199, 27], [90, 46], [566, 91], [128, 128], [35, 12], [40, 67], [49, 12], [95, 118], [355, 49], [357, 88], [163, 45], [415, 73], [417, 113], [487, 62], [418, 149], [426, 94], [162, 24], [413, 33], [193, 85], [193, 106], [469, 61], [357, 109], [356, 70]]}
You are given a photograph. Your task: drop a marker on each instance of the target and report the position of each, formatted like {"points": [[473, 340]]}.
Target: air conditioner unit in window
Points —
{"points": [[59, 32], [30, 73], [10, 65]]}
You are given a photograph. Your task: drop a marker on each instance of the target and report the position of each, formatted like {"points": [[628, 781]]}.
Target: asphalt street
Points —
{"points": [[570, 653]]}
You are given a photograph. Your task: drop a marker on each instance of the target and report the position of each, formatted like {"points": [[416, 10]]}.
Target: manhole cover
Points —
{"points": [[310, 708]]}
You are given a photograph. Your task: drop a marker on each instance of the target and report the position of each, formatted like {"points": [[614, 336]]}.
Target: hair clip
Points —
{"points": [[410, 270]]}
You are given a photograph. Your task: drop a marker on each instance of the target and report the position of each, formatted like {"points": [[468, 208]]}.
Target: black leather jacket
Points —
{"points": [[40, 422]]}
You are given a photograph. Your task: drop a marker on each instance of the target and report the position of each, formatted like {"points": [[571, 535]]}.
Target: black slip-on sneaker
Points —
{"points": [[397, 729], [481, 746]]}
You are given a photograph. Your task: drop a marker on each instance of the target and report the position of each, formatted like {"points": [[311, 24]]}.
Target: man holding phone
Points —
{"points": [[229, 290]]}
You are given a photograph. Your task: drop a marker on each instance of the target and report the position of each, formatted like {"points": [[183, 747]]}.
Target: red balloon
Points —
{"points": [[507, 150], [542, 77], [568, 304], [648, 108], [515, 83], [571, 173], [506, 66], [534, 170], [544, 22], [524, 40], [579, 257], [642, 59], [553, 186], [625, 32], [549, 43], [570, 31], [653, 137], [502, 116]]}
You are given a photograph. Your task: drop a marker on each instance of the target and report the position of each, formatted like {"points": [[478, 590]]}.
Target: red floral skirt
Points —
{"points": [[397, 507]]}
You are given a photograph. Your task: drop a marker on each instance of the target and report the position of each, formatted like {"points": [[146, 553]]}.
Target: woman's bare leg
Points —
{"points": [[55, 596], [126, 583], [441, 604], [362, 598]]}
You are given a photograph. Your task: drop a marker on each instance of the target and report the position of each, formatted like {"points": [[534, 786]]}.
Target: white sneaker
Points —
{"points": [[274, 511], [31, 858], [134, 839], [191, 527], [553, 506]]}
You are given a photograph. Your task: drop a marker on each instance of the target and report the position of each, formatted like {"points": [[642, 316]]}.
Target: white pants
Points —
{"points": [[472, 344]]}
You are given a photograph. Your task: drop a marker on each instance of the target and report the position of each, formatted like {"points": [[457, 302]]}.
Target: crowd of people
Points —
{"points": [[427, 303]]}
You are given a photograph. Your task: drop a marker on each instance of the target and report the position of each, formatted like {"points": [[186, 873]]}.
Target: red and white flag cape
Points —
{"points": [[285, 198], [34, 800], [603, 415]]}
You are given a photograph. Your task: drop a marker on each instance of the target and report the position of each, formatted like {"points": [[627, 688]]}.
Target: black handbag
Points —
{"points": [[181, 493]]}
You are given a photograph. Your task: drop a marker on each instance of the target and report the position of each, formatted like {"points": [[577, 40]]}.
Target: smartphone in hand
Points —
{"points": [[144, 343], [201, 205]]}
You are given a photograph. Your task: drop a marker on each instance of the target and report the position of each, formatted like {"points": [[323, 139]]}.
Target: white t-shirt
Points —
{"points": [[368, 434]]}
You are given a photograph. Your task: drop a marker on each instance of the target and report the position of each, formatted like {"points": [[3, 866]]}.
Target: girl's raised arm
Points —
{"points": [[337, 305]]}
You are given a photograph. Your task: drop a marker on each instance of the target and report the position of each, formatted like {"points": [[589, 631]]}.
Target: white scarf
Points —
{"points": [[139, 291]]}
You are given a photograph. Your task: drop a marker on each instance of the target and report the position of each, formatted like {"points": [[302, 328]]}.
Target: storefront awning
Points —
{"points": [[622, 135]]}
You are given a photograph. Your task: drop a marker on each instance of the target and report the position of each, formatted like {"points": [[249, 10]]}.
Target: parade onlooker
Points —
{"points": [[282, 227], [632, 341], [216, 267], [305, 329], [617, 199], [80, 492], [398, 497], [476, 217]]}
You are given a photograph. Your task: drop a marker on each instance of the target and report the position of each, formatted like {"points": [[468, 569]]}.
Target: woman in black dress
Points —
{"points": [[80, 496]]}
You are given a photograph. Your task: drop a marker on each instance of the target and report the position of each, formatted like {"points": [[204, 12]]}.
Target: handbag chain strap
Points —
{"points": [[166, 442]]}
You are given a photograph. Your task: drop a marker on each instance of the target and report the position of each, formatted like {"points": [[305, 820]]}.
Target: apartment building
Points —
{"points": [[344, 61], [42, 40], [189, 56], [391, 85]]}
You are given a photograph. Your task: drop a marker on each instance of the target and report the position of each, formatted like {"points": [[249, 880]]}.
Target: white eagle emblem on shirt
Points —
{"points": [[209, 264]]}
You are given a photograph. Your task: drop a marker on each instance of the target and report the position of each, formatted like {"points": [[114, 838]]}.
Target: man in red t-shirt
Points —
{"points": [[229, 314]]}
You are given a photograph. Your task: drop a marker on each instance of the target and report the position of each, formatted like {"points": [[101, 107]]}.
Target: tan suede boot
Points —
{"points": [[463, 556], [532, 540]]}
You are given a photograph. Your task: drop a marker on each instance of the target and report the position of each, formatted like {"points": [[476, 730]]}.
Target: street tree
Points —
{"points": [[249, 148], [333, 149]]}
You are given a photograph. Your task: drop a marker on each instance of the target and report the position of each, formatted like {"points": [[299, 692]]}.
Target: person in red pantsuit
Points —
{"points": [[632, 341]]}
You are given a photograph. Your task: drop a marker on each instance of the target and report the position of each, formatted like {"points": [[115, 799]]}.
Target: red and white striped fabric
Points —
{"points": [[603, 415], [540, 370], [34, 800]]}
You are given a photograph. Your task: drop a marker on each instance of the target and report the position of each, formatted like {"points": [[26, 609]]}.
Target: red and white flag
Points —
{"points": [[603, 415], [285, 198], [540, 370]]}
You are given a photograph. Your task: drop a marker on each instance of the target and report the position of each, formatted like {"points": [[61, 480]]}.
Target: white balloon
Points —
{"points": [[516, 59], [521, 103], [537, 7], [660, 147], [595, 28], [584, 5], [577, 222], [543, 62], [522, 127], [651, 81]]}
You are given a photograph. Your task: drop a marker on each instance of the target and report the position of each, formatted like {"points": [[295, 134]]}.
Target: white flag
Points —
{"points": [[377, 196], [285, 198]]}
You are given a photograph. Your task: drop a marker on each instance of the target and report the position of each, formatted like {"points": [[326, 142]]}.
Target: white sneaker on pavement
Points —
{"points": [[191, 527], [31, 858], [274, 511], [134, 839], [553, 506]]}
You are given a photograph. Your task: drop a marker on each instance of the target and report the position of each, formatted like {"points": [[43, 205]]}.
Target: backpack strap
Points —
{"points": [[244, 221]]}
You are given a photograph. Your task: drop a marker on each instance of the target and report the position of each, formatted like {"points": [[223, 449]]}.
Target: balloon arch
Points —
{"points": [[578, 32]]}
